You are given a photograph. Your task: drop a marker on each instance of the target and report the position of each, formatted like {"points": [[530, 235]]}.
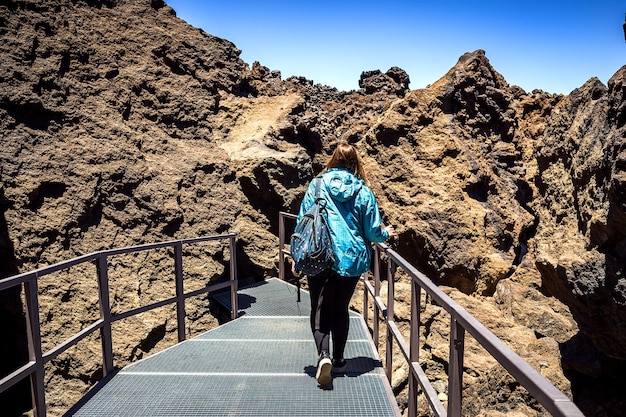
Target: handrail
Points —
{"points": [[37, 359], [461, 321]]}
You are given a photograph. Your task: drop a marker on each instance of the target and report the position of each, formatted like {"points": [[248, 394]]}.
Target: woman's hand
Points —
{"points": [[293, 269], [391, 231]]}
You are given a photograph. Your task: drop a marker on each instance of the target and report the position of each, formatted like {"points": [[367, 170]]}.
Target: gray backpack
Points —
{"points": [[311, 243]]}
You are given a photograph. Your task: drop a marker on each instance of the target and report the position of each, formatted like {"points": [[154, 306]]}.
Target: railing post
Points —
{"points": [[233, 277], [375, 324], [455, 368], [281, 246], [416, 296], [390, 317], [180, 293], [105, 315], [366, 310], [37, 386]]}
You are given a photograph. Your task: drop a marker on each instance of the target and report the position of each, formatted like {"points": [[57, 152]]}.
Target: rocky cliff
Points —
{"points": [[121, 124]]}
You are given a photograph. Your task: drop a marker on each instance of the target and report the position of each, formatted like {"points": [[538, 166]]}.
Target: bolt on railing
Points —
{"points": [[37, 359], [553, 400]]}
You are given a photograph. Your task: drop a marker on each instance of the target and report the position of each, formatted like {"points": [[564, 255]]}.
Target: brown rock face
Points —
{"points": [[121, 125], [580, 245], [395, 81]]}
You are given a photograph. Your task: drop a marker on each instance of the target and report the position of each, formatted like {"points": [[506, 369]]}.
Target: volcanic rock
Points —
{"points": [[121, 125]]}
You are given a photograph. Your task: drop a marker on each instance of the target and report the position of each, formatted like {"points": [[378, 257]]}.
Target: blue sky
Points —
{"points": [[555, 46]]}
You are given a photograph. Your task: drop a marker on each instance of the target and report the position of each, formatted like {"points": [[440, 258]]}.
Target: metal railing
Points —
{"points": [[461, 321], [37, 359]]}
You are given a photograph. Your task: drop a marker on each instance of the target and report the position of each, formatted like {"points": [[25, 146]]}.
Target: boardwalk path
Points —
{"points": [[262, 364]]}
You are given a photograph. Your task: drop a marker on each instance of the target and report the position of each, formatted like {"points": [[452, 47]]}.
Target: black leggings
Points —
{"points": [[331, 293]]}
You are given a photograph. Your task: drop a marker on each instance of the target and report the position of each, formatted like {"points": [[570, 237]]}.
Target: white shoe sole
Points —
{"points": [[323, 375]]}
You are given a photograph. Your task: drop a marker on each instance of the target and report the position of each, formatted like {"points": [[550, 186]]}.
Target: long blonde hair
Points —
{"points": [[346, 156]]}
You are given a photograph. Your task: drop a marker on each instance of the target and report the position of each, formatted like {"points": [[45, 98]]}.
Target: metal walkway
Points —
{"points": [[261, 364]]}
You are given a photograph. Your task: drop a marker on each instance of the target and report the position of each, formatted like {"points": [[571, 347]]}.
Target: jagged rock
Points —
{"points": [[395, 81], [259, 80], [122, 125], [581, 233]]}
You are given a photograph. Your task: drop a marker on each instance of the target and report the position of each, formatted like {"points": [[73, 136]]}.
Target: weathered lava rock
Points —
{"points": [[121, 124]]}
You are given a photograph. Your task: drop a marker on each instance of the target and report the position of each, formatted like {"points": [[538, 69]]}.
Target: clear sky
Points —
{"points": [[552, 45]]}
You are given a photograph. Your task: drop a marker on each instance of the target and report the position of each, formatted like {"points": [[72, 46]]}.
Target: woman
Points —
{"points": [[354, 222]]}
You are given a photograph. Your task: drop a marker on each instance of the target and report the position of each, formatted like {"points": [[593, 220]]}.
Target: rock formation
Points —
{"points": [[121, 125]]}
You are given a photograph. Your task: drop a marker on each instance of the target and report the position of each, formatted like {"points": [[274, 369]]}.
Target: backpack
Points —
{"points": [[311, 243]]}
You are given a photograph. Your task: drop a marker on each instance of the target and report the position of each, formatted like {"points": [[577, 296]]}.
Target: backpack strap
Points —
{"points": [[317, 187], [320, 200]]}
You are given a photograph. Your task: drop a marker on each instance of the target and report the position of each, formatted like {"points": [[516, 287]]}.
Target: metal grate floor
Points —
{"points": [[272, 297], [257, 365]]}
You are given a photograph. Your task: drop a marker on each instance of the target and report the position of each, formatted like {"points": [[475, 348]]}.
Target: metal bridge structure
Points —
{"points": [[262, 362]]}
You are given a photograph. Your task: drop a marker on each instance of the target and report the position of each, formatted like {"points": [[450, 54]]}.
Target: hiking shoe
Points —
{"points": [[340, 366], [324, 366]]}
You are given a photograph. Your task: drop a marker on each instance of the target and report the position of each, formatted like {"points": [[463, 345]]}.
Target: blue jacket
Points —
{"points": [[353, 218]]}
